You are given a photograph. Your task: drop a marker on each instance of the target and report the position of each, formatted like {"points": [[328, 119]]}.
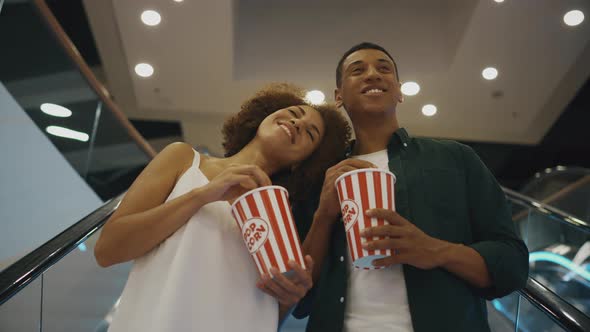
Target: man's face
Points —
{"points": [[369, 83]]}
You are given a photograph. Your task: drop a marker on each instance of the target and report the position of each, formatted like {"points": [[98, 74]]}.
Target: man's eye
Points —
{"points": [[310, 135]]}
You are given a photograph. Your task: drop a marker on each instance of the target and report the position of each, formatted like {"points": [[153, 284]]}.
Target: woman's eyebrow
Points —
{"points": [[301, 109], [312, 126]]}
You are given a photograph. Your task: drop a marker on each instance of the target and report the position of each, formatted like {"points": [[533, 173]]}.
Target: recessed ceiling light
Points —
{"points": [[410, 88], [573, 17], [429, 110], [489, 73], [499, 1], [144, 69], [55, 110], [178, 0], [151, 17], [315, 97], [67, 133]]}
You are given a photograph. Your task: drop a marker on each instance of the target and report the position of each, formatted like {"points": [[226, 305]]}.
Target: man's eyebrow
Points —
{"points": [[385, 60], [357, 62]]}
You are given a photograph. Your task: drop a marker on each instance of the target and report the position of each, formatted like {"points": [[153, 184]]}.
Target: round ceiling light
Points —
{"points": [[151, 17], [315, 97], [489, 73], [429, 110], [144, 69], [573, 18], [410, 88]]}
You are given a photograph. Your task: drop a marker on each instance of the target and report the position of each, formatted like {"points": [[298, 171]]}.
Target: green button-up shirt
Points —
{"points": [[446, 191]]}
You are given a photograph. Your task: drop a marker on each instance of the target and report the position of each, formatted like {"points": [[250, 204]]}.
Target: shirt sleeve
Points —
{"points": [[495, 238]]}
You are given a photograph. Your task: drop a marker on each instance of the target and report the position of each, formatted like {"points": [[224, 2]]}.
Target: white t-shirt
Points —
{"points": [[377, 299]]}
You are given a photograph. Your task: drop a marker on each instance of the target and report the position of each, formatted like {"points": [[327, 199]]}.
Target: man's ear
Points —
{"points": [[399, 95], [338, 98]]}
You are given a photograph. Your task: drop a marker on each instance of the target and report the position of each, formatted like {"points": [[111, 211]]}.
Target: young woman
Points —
{"points": [[192, 271]]}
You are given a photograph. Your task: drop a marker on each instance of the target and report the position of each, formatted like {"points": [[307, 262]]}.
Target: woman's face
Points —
{"points": [[291, 134]]}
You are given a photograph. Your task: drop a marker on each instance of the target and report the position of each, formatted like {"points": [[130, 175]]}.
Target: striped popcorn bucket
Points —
{"points": [[268, 229], [358, 191]]}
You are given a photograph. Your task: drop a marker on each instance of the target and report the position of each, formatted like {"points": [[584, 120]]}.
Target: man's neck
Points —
{"points": [[373, 134]]}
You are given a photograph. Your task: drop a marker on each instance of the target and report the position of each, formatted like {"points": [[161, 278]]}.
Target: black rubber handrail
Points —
{"points": [[22, 272], [560, 311]]}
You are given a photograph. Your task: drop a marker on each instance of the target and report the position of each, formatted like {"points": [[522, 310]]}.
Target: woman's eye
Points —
{"points": [[310, 135], [293, 112]]}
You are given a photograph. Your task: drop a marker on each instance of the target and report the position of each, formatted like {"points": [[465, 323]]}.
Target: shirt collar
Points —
{"points": [[399, 137]]}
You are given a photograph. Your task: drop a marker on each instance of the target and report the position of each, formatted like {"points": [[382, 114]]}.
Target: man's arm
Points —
{"points": [[495, 238], [496, 263], [414, 247]]}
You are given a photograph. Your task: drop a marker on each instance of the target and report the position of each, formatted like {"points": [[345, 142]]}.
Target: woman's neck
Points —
{"points": [[252, 154]]}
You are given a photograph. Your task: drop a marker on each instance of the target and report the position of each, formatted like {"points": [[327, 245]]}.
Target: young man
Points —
{"points": [[452, 231]]}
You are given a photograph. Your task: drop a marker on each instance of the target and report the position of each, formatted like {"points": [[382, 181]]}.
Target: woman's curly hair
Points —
{"points": [[241, 128]]}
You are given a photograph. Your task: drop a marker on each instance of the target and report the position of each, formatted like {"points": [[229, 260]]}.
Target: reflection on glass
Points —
{"points": [[23, 311], [84, 300]]}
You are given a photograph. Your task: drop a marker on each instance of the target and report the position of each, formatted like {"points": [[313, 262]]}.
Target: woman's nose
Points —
{"points": [[296, 124]]}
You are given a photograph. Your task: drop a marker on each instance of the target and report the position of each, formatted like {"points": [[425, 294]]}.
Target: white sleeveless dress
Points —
{"points": [[201, 278]]}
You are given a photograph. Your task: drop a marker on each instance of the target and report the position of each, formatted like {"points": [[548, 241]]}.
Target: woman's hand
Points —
{"points": [[288, 290], [329, 207], [234, 181]]}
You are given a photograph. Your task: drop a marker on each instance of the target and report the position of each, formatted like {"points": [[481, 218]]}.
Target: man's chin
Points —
{"points": [[376, 108]]}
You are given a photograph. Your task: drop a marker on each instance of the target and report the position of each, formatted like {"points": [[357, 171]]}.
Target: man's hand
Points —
{"points": [[288, 291], [409, 244], [329, 207]]}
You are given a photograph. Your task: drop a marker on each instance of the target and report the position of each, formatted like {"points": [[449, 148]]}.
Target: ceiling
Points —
{"points": [[210, 56]]}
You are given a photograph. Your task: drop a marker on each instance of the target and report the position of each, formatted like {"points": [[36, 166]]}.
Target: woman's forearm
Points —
{"points": [[129, 237], [317, 242]]}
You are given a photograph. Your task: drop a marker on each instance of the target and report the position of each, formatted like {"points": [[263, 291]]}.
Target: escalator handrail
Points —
{"points": [[559, 310], [25, 270], [547, 210]]}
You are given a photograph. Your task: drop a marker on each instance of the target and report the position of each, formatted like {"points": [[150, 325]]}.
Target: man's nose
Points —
{"points": [[373, 74]]}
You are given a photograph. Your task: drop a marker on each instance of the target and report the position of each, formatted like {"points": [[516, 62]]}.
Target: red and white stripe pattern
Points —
{"points": [[358, 191], [268, 229]]}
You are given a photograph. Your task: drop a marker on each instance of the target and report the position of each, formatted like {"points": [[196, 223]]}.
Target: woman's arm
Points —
{"points": [[142, 221]]}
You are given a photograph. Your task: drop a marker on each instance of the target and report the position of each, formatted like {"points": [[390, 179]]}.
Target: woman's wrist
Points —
{"points": [[325, 218], [199, 197]]}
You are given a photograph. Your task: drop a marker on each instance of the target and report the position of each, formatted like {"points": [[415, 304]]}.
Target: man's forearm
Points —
{"points": [[317, 242], [465, 263]]}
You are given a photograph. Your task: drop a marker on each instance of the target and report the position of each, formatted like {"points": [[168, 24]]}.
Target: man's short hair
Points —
{"points": [[358, 47]]}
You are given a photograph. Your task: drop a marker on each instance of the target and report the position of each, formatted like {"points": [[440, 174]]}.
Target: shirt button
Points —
{"points": [[342, 258], [342, 300], [406, 145]]}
